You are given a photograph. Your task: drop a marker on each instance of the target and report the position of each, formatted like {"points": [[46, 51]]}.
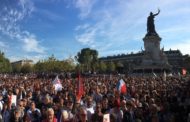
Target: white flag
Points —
{"points": [[154, 74], [57, 84]]}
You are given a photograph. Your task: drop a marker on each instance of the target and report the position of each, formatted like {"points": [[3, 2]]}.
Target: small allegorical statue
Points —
{"points": [[150, 24]]}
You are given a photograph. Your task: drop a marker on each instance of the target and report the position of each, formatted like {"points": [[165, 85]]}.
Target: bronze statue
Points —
{"points": [[150, 24]]}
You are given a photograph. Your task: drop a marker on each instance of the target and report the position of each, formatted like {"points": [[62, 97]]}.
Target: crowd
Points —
{"points": [[150, 99]]}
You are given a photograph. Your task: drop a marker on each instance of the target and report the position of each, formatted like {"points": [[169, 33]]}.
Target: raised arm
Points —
{"points": [[157, 13]]}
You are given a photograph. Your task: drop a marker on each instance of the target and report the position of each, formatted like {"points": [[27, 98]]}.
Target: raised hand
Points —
{"points": [[158, 10]]}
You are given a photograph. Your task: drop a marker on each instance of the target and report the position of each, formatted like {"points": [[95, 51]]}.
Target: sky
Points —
{"points": [[36, 29]]}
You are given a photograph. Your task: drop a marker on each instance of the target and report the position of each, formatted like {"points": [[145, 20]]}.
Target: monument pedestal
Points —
{"points": [[153, 57]]}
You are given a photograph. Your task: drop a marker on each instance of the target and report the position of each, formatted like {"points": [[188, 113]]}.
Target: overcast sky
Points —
{"points": [[35, 29]]}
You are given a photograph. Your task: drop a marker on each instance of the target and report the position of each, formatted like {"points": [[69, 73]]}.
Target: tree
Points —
{"points": [[127, 66], [94, 54], [26, 68], [102, 67], [5, 65], [16, 68], [111, 67], [87, 58], [119, 67], [53, 65], [70, 63]]}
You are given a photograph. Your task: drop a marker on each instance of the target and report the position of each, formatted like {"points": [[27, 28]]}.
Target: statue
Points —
{"points": [[150, 24]]}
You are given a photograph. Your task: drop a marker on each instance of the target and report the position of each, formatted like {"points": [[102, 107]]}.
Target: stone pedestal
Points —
{"points": [[152, 53], [153, 57]]}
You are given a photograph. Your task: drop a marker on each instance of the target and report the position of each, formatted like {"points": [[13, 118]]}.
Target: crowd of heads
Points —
{"points": [[148, 99]]}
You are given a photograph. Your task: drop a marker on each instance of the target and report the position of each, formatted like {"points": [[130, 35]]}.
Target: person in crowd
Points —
{"points": [[50, 116], [6, 113], [97, 97], [89, 107], [69, 107], [34, 113], [82, 115], [116, 112], [105, 106], [65, 117], [1, 106], [22, 109], [16, 115], [147, 99], [98, 115]]}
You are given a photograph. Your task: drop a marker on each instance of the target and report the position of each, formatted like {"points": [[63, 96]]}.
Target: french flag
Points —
{"points": [[121, 86]]}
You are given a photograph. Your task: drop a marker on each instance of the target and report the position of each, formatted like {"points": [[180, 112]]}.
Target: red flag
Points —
{"points": [[80, 88], [184, 71]]}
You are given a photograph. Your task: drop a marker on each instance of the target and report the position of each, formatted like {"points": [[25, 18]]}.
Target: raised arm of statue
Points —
{"points": [[157, 13]]}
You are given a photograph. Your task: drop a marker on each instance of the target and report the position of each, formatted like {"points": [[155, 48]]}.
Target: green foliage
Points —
{"points": [[16, 68], [102, 67], [54, 65], [26, 68], [5, 65], [111, 67], [87, 59]]}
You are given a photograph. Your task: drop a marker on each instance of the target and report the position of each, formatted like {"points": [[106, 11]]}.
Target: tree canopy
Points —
{"points": [[53, 65], [87, 59], [5, 65]]}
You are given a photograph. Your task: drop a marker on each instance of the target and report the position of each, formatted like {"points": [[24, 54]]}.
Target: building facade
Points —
{"points": [[22, 62], [175, 59]]}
